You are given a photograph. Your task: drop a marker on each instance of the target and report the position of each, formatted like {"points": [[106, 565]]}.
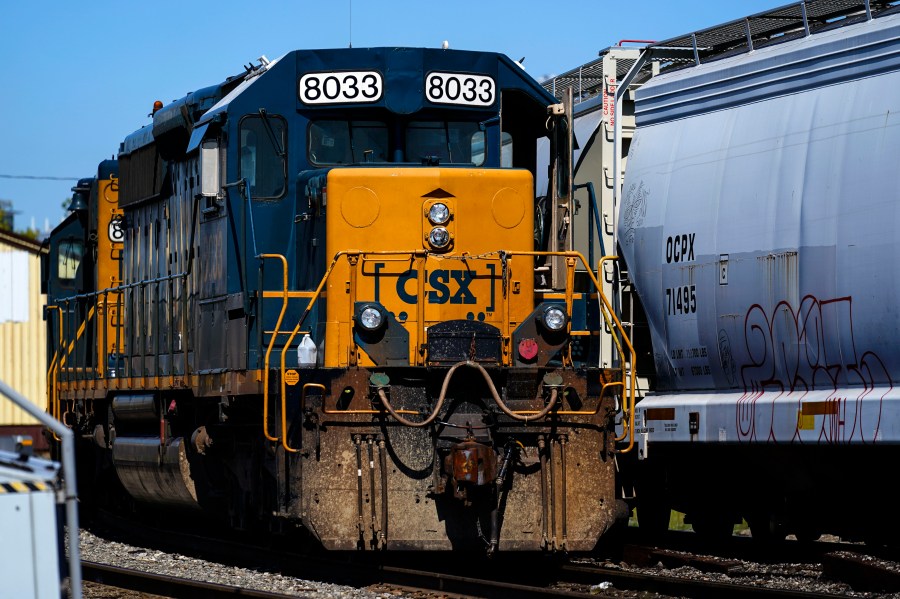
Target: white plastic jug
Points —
{"points": [[306, 352]]}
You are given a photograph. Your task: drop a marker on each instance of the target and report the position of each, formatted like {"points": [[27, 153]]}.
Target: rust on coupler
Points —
{"points": [[470, 463]]}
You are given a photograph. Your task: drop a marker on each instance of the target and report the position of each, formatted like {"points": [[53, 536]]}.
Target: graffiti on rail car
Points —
{"points": [[793, 351]]}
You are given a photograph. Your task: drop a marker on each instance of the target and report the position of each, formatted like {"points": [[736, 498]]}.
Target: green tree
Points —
{"points": [[30, 233], [7, 215]]}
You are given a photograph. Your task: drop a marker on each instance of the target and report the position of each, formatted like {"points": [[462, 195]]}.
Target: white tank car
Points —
{"points": [[759, 222]]}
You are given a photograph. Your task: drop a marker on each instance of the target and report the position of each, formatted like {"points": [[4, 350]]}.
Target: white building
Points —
{"points": [[23, 345]]}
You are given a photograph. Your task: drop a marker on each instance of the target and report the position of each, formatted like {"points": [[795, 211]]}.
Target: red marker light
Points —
{"points": [[528, 349]]}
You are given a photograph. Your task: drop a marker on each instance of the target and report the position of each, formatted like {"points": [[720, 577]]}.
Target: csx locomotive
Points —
{"points": [[323, 294]]}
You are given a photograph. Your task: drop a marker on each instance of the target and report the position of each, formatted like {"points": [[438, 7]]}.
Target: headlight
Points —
{"points": [[439, 237], [554, 318], [370, 318], [438, 214]]}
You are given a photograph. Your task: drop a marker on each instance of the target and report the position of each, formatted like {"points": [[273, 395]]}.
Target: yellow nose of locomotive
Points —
{"points": [[428, 247]]}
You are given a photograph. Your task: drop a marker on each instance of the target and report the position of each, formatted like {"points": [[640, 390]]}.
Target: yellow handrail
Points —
{"points": [[578, 412], [629, 401], [312, 301], [265, 373], [419, 255], [64, 356], [52, 404]]}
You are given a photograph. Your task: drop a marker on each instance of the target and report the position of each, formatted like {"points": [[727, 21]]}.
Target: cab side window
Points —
{"points": [[68, 267], [263, 153], [506, 149]]}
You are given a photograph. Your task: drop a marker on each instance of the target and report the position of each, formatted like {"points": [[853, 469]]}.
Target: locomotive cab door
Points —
{"points": [[68, 273]]}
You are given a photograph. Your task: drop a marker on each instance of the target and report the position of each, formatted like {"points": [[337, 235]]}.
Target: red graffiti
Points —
{"points": [[812, 348]]}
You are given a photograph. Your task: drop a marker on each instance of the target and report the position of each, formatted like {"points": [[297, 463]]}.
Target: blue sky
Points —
{"points": [[81, 75]]}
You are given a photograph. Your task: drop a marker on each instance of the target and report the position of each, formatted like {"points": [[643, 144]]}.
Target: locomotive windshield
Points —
{"points": [[451, 143], [348, 142], [332, 142]]}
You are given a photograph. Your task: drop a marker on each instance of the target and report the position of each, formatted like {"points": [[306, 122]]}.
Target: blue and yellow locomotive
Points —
{"points": [[324, 291]]}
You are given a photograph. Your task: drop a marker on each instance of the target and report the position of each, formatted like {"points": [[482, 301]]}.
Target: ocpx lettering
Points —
{"points": [[680, 248]]}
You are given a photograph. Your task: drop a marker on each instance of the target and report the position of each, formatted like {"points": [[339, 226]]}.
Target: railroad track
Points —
{"points": [[168, 586], [672, 586], [420, 581], [861, 568], [514, 575]]}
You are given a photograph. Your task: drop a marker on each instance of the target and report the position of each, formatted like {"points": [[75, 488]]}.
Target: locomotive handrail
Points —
{"points": [[607, 314], [284, 302], [628, 408], [67, 351], [578, 412], [52, 404], [120, 289], [287, 343], [325, 409], [105, 340], [627, 429], [302, 319], [123, 287], [570, 289], [419, 255], [56, 366]]}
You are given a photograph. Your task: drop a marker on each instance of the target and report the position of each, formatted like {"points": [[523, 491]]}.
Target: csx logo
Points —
{"points": [[443, 286]]}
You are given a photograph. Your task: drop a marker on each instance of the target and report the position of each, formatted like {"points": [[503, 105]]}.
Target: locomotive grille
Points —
{"points": [[457, 340]]}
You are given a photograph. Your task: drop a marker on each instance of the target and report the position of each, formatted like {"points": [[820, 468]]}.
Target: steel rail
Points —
{"points": [[168, 586]]}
